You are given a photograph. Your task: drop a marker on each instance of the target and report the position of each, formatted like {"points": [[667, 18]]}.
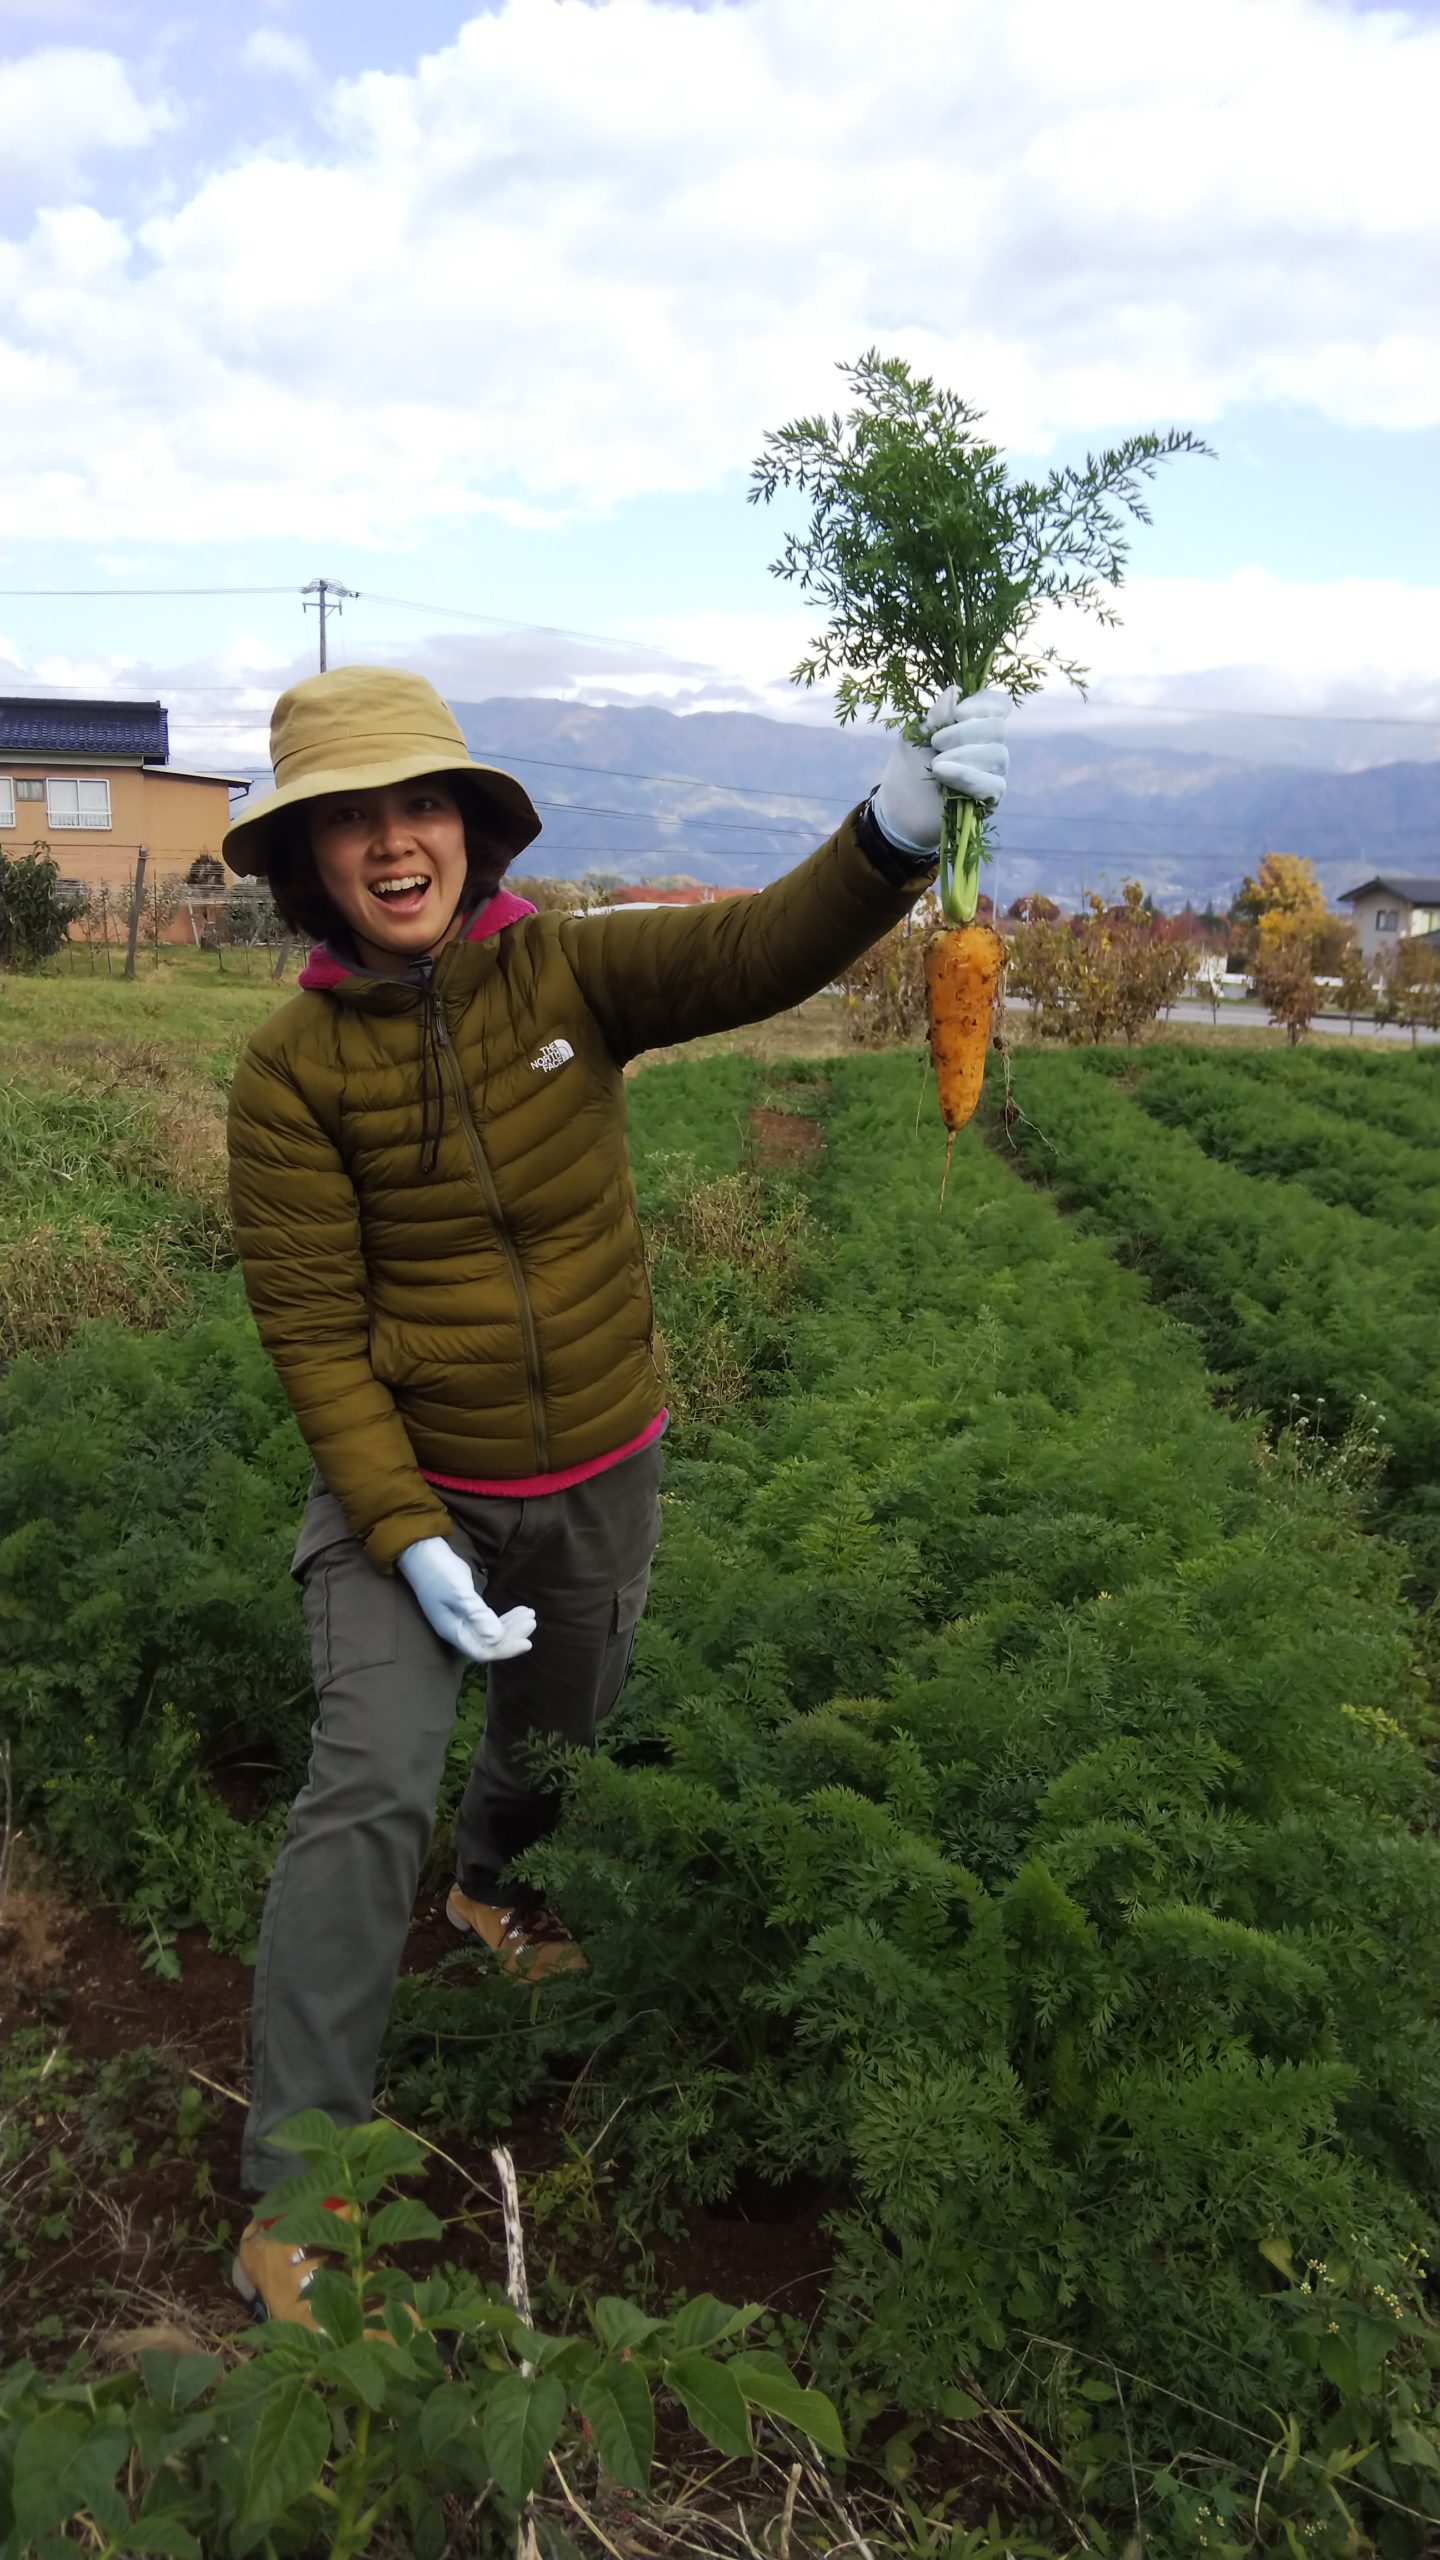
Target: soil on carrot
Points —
{"points": [[121, 2100]]}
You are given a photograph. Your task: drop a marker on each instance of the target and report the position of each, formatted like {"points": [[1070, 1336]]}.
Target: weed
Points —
{"points": [[348, 2436]]}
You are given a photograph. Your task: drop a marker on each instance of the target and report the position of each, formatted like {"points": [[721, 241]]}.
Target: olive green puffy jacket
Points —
{"points": [[432, 1193]]}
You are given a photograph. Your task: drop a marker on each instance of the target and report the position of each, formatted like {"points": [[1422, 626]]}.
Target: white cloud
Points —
{"points": [[288, 57], [590, 251], [1317, 673], [63, 104]]}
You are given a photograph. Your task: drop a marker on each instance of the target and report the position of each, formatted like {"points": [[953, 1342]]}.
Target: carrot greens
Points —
{"points": [[934, 566]]}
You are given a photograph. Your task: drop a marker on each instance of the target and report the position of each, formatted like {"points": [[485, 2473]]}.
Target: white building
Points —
{"points": [[1387, 910]]}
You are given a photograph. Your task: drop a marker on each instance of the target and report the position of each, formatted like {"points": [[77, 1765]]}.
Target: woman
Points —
{"points": [[437, 1225]]}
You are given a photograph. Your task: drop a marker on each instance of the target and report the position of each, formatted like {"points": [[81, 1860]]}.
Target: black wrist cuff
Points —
{"points": [[903, 870]]}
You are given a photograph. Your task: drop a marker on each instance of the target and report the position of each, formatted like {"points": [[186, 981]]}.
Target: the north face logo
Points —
{"points": [[554, 1054]]}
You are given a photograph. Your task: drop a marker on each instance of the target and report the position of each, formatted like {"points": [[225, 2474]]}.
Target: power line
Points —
{"points": [[150, 591], [551, 630], [613, 639], [715, 826], [401, 604], [621, 773]]}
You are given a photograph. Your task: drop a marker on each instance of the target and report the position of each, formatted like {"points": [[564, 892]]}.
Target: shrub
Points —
{"points": [[34, 917], [885, 1000], [1105, 973]]}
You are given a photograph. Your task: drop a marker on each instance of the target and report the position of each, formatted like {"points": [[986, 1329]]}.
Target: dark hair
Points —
{"points": [[303, 905]]}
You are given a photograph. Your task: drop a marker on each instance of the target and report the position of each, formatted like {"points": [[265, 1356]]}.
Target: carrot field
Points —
{"points": [[1009, 1882]]}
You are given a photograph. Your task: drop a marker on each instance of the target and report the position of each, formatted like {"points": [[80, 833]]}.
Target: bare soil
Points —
{"points": [[780, 1139], [121, 2204]]}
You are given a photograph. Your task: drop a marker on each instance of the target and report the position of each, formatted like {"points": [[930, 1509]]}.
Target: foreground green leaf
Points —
{"points": [[616, 2404], [784, 2398], [524, 2413], [287, 2453], [712, 2400], [64, 2463]]}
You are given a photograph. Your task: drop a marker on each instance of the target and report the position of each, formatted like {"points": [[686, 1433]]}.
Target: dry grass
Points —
{"points": [[734, 1249], [711, 1376], [734, 1219], [55, 1278], [815, 1029]]}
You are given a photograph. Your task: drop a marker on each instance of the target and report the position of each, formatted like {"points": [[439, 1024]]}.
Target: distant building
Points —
{"points": [[94, 781], [1390, 908]]}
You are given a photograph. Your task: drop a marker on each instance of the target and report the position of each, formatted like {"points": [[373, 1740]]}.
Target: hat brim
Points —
{"points": [[249, 840]]}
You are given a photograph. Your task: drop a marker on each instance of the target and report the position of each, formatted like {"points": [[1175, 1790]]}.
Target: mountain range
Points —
{"points": [[735, 799]]}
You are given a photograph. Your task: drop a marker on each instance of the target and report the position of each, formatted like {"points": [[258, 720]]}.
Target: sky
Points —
{"points": [[485, 313]]}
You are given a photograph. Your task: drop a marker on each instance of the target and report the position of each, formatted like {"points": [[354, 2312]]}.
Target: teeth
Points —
{"points": [[400, 888]]}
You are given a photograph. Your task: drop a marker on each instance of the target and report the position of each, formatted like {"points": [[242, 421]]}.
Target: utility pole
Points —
{"points": [[324, 590]]}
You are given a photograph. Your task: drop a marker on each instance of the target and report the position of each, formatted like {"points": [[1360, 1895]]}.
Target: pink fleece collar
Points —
{"points": [[323, 970]]}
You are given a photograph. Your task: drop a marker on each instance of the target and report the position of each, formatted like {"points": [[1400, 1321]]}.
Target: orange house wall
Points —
{"points": [[173, 817]]}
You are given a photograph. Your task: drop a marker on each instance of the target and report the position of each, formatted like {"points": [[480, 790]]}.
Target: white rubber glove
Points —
{"points": [[966, 752], [445, 1588]]}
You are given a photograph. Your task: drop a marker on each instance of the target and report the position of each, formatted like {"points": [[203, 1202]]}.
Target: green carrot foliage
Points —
{"points": [[932, 563]]}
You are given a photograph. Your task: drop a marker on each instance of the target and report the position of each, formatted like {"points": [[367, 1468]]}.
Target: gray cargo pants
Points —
{"points": [[343, 1890]]}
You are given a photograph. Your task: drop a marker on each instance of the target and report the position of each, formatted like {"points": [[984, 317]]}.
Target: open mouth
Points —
{"points": [[404, 894]]}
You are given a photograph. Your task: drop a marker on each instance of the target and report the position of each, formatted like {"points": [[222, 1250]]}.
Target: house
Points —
{"points": [[1390, 908], [93, 781]]}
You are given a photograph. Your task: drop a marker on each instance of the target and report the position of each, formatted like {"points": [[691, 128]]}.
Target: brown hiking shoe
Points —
{"points": [[526, 1937], [274, 2276]]}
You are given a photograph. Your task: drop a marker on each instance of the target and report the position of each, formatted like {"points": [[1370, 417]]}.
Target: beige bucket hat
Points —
{"points": [[355, 729]]}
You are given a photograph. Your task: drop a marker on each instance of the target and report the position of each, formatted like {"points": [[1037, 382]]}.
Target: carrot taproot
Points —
{"points": [[963, 968], [964, 964]]}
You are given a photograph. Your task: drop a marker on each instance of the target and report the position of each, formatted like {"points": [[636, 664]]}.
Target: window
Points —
{"points": [[1425, 920], [29, 790], [1387, 919], [7, 801], [77, 803]]}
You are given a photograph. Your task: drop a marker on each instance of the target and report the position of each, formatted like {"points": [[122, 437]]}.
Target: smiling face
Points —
{"points": [[393, 861]]}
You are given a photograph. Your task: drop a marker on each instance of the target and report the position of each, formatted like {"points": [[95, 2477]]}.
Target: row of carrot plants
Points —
{"points": [[1329, 1145], [1397, 1090], [1013, 1831], [1310, 1312], [1014, 1828]]}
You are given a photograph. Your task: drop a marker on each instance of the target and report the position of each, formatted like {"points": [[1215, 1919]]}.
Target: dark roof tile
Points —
{"points": [[32, 727]]}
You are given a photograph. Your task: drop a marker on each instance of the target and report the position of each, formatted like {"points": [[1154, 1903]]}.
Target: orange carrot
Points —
{"points": [[963, 968]]}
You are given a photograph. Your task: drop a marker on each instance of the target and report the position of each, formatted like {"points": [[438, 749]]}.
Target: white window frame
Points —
{"points": [[83, 819], [7, 801]]}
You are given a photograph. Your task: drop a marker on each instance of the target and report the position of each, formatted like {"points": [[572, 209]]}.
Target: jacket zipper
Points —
{"points": [[445, 1045]]}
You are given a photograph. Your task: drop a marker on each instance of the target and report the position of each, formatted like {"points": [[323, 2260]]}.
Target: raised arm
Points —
{"points": [[297, 1227], [672, 973]]}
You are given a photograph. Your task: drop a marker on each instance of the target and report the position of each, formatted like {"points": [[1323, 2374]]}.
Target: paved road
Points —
{"points": [[1248, 1016]]}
